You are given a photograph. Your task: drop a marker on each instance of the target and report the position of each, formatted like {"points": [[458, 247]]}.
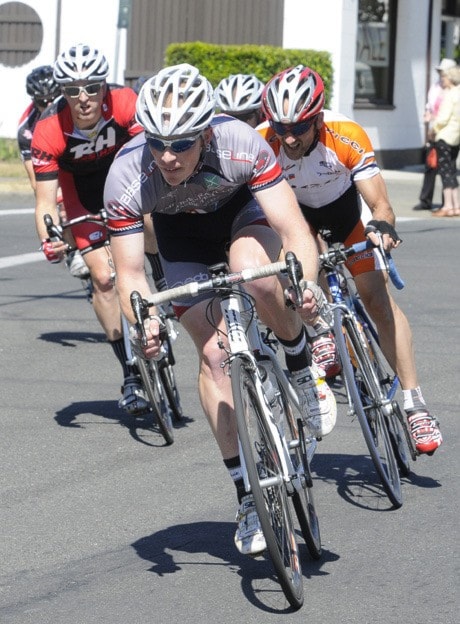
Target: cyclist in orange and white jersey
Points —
{"points": [[330, 164]]}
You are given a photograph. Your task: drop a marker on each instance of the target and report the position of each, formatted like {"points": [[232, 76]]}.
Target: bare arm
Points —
{"points": [[30, 173], [374, 193], [128, 258], [284, 215]]}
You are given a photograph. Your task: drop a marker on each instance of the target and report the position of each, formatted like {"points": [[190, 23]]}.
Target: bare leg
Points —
{"points": [[392, 326]]}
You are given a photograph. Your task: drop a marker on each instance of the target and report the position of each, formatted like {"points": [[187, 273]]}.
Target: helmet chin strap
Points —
{"points": [[199, 164], [313, 144]]}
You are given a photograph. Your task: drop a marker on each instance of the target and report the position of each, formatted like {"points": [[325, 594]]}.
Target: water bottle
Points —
{"points": [[272, 394]]}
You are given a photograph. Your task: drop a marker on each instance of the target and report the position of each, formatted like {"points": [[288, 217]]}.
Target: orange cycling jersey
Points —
{"points": [[343, 154], [323, 180]]}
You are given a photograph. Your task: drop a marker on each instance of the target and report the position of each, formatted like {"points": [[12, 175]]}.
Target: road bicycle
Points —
{"points": [[370, 384], [275, 447], [158, 378]]}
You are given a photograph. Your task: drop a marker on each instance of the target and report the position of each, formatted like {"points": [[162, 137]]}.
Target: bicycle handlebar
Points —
{"points": [[193, 289], [56, 231], [338, 254]]}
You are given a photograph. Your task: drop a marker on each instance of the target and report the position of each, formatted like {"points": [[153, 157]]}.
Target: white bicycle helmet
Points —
{"points": [[178, 100], [80, 62], [294, 95], [239, 93]]}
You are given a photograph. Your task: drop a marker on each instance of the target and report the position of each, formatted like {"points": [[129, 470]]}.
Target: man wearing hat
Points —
{"points": [[433, 103]]}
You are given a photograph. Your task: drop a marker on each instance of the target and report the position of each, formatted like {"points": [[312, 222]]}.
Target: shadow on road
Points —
{"points": [[358, 483], [142, 428], [215, 540], [72, 338]]}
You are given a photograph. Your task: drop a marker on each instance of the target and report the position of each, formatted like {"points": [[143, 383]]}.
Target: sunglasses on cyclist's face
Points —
{"points": [[91, 89], [177, 146], [294, 129]]}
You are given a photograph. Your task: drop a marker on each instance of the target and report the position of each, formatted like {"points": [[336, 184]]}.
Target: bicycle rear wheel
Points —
{"points": [[157, 397], [264, 470], [368, 402]]}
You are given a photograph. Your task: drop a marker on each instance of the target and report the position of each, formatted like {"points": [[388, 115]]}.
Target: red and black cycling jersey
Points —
{"points": [[81, 159], [27, 123]]}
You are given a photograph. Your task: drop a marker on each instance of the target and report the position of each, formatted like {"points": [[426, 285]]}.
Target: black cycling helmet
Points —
{"points": [[41, 85]]}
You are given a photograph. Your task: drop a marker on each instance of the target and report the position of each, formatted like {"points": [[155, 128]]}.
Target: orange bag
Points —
{"points": [[432, 158]]}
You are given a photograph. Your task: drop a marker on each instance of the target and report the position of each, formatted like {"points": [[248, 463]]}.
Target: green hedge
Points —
{"points": [[9, 150], [218, 61]]}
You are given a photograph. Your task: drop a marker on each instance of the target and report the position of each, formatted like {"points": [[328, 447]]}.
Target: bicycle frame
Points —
{"points": [[245, 340]]}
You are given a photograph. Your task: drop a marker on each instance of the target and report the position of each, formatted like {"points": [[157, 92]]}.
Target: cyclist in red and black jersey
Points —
{"points": [[330, 164], [43, 90], [73, 146]]}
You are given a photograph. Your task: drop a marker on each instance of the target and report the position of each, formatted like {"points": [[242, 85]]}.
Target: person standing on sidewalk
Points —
{"points": [[434, 100], [330, 164], [447, 141]]}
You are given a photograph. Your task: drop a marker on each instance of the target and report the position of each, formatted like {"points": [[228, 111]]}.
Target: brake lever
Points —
{"points": [[138, 306], [295, 273]]}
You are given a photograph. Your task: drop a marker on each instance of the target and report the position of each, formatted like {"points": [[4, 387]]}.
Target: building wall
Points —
{"points": [[397, 133], [99, 29], [332, 25]]}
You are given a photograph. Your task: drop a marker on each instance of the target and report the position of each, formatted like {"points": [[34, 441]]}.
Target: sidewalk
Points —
{"points": [[403, 189]]}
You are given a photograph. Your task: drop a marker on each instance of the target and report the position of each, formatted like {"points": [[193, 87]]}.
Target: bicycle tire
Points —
{"points": [[302, 499], [168, 378], [263, 461], [401, 439], [397, 429], [366, 399], [157, 397]]}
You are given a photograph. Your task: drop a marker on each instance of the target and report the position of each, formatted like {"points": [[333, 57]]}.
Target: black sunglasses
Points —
{"points": [[177, 146], [295, 129]]}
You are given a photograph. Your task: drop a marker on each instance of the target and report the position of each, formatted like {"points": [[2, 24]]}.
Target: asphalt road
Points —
{"points": [[103, 524]]}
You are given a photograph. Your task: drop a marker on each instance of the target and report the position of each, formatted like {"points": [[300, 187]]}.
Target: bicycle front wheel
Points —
{"points": [[368, 401], [157, 396], [265, 475], [396, 424], [168, 379], [302, 498], [401, 439]]}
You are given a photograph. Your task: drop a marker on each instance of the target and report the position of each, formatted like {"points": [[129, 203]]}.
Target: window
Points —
{"points": [[21, 34], [375, 53]]}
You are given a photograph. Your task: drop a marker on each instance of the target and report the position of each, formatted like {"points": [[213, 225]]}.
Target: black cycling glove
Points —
{"points": [[384, 227]]}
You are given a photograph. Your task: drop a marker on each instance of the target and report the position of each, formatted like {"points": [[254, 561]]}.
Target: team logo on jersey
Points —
{"points": [[211, 181], [262, 162], [94, 147]]}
